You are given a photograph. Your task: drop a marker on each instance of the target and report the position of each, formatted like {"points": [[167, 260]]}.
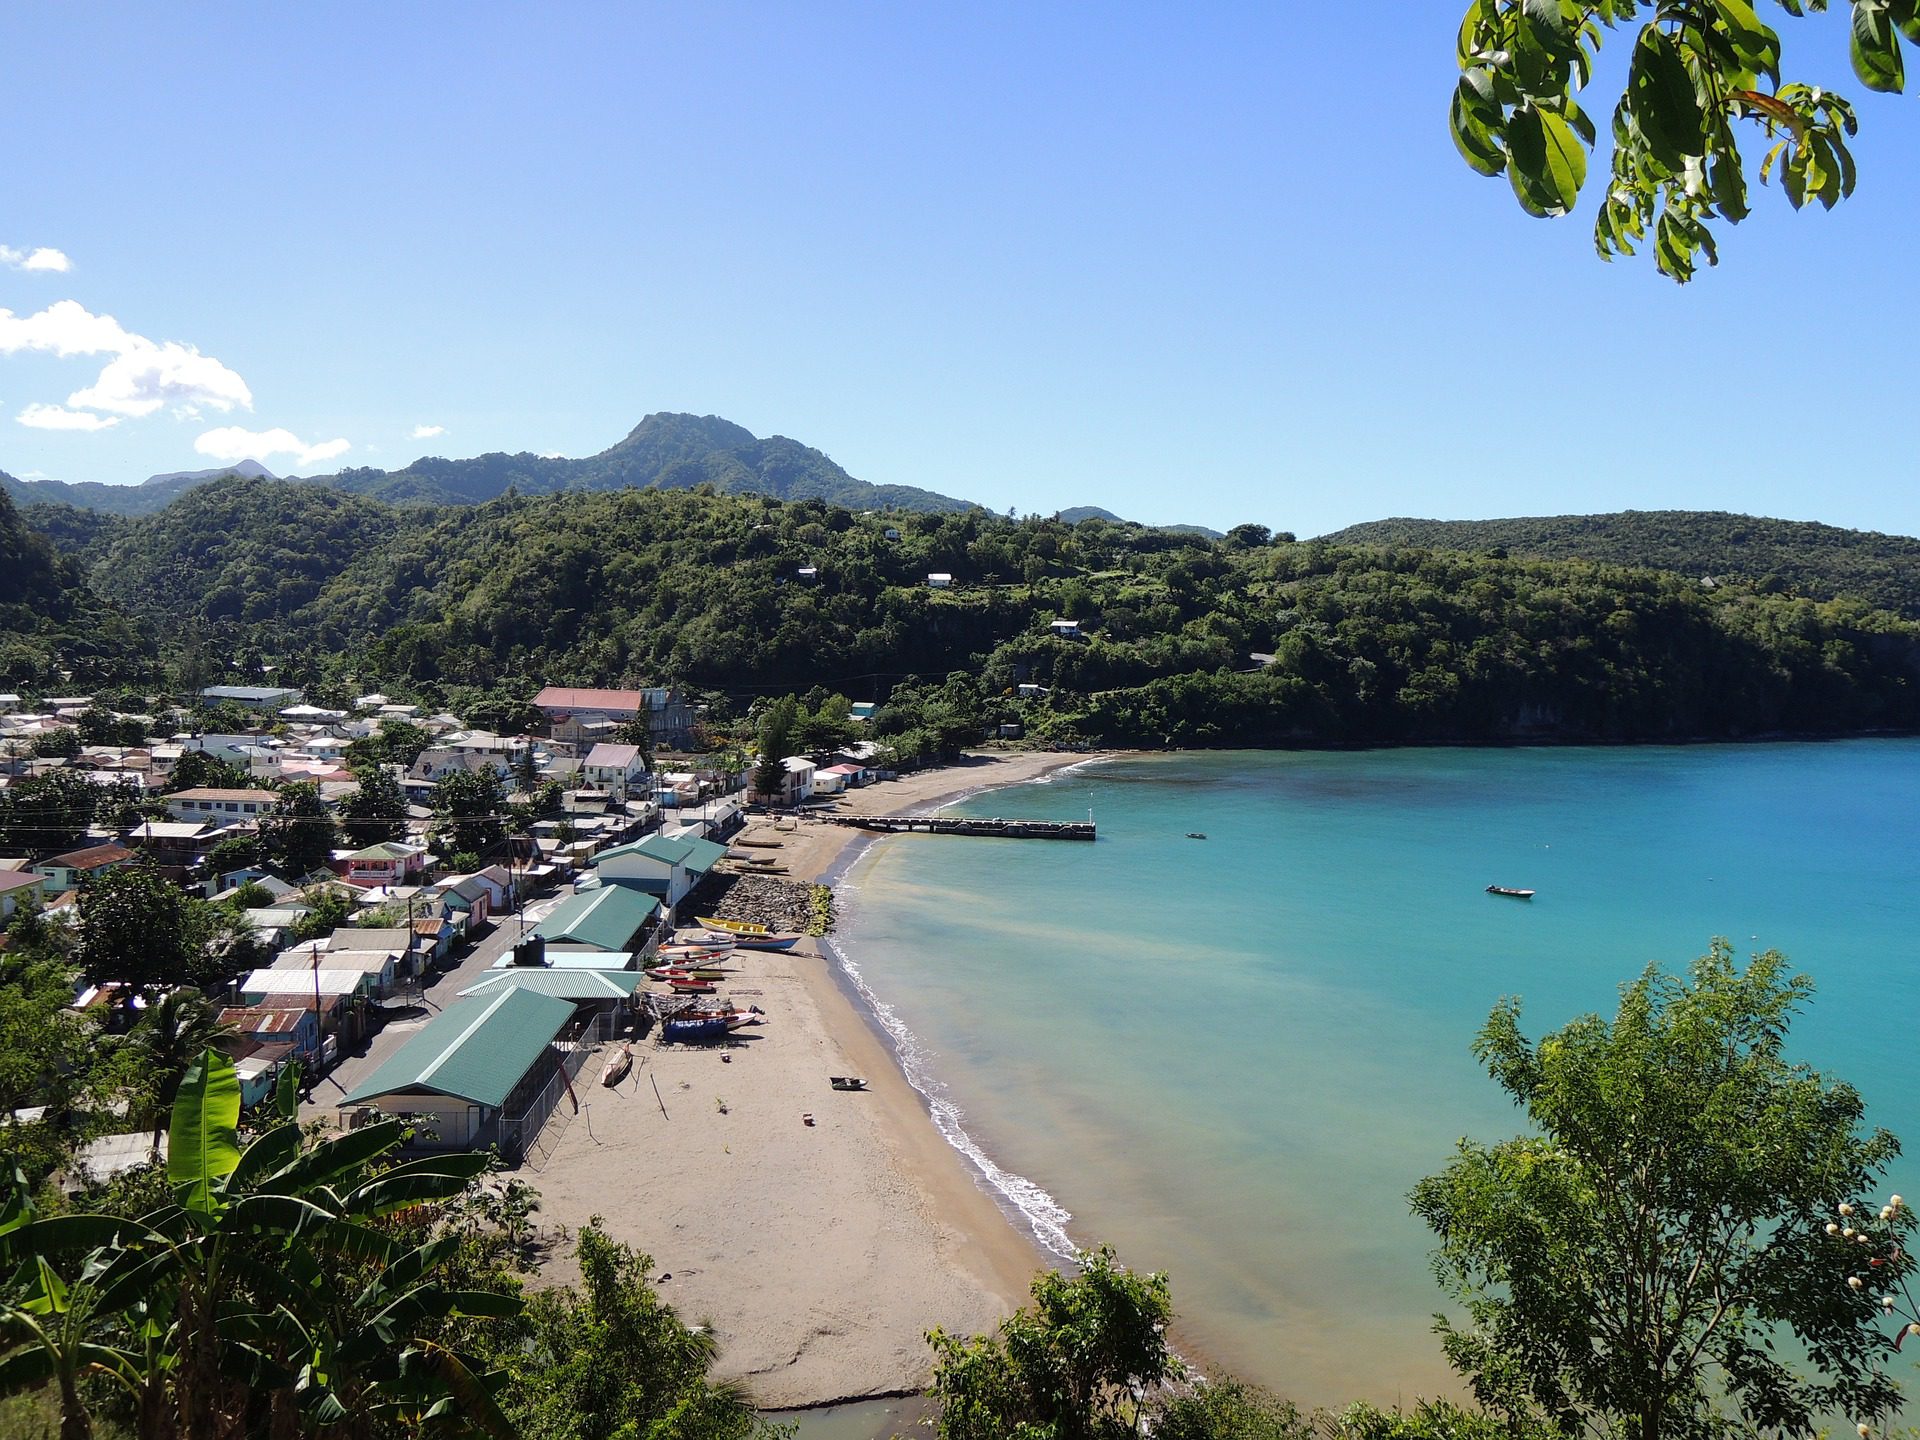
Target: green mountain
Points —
{"points": [[663, 452], [1785, 556]]}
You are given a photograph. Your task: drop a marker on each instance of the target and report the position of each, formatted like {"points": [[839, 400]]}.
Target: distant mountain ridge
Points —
{"points": [[664, 451], [1801, 557]]}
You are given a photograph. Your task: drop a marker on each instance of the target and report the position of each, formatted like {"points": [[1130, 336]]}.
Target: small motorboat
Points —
{"points": [[1510, 892], [690, 987], [618, 1068], [1196, 834], [846, 1082]]}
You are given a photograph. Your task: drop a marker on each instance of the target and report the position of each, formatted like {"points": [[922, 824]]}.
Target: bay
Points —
{"points": [[1232, 1057]]}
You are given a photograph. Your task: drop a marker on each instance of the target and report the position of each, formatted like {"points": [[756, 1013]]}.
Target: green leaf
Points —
{"points": [[1547, 164], [203, 1142], [1906, 18], [1665, 105], [1875, 48], [1466, 118], [286, 1091], [1752, 39]]}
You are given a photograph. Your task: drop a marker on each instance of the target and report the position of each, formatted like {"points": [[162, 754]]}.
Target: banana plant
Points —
{"points": [[223, 1309]]}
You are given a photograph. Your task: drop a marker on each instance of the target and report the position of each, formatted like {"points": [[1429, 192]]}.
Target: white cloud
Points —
{"points": [[230, 444], [149, 376], [142, 377], [58, 417], [66, 328], [44, 257], [427, 432]]}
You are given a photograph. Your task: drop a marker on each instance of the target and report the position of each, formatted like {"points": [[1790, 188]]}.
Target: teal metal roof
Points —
{"points": [[696, 854], [704, 854], [474, 1050], [574, 985], [608, 918], [668, 850]]}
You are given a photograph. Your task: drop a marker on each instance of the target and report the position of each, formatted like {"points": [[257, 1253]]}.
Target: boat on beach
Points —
{"points": [[618, 1068], [732, 927], [768, 942], [1510, 891], [695, 1029]]}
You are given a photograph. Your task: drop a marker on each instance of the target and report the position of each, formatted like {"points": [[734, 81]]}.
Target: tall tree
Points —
{"points": [[298, 832], [472, 808], [776, 739], [141, 930], [1704, 79], [196, 769], [377, 810], [1629, 1266]]}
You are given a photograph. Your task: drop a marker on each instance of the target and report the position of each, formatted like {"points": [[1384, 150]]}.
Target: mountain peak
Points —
{"points": [[248, 469]]}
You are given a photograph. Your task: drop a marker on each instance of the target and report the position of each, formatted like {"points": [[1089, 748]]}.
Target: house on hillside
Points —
{"points": [[621, 769], [225, 807], [20, 887], [580, 717], [77, 867], [939, 580], [385, 862], [254, 697]]}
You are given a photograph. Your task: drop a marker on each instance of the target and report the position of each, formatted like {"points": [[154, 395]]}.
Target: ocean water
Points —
{"points": [[1231, 1058]]}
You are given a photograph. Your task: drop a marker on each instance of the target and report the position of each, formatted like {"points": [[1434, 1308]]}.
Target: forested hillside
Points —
{"points": [[1185, 640], [50, 621], [1786, 556]]}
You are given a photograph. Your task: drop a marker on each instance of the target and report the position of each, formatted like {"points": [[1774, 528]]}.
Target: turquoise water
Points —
{"points": [[1232, 1058]]}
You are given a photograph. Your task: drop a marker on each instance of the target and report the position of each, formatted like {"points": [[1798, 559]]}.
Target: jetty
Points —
{"points": [[956, 825]]}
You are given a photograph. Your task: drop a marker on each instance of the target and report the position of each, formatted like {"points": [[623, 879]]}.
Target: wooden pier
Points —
{"points": [[954, 825]]}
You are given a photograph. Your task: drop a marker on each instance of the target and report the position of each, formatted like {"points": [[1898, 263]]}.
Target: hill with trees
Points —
{"points": [[50, 619], [1794, 557], [1182, 640]]}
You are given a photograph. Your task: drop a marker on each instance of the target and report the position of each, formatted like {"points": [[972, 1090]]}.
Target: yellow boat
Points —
{"points": [[732, 927]]}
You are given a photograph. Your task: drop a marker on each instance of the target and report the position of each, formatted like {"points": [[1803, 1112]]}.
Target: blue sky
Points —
{"points": [[1210, 264]]}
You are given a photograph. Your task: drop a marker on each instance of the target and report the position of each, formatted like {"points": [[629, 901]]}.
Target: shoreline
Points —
{"points": [[818, 1253]]}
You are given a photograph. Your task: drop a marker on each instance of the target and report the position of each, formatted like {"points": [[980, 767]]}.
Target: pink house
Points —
{"points": [[387, 862]]}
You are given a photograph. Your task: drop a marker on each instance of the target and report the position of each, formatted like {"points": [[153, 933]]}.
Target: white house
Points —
{"points": [[939, 580], [799, 783], [226, 806], [665, 866], [620, 768]]}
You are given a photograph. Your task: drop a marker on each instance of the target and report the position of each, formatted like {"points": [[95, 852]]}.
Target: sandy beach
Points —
{"points": [[819, 1254]]}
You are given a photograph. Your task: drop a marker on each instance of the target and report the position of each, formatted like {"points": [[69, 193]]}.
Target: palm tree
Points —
{"points": [[167, 1040]]}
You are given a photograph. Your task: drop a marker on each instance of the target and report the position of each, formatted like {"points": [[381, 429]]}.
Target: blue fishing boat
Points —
{"points": [[695, 1029]]}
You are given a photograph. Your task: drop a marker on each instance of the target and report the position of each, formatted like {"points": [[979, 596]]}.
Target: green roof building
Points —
{"points": [[582, 987], [612, 917], [668, 866], [475, 1059]]}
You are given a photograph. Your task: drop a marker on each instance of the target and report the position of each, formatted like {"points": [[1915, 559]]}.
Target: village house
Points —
{"points": [[77, 867], [939, 580], [174, 844], [267, 1028], [385, 862], [481, 1072], [613, 919], [225, 807], [580, 717], [253, 697], [621, 769], [471, 901], [665, 866], [17, 888]]}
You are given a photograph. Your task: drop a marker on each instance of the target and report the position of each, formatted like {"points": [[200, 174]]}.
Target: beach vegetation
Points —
{"points": [[1652, 1259], [1704, 98], [1085, 1361]]}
